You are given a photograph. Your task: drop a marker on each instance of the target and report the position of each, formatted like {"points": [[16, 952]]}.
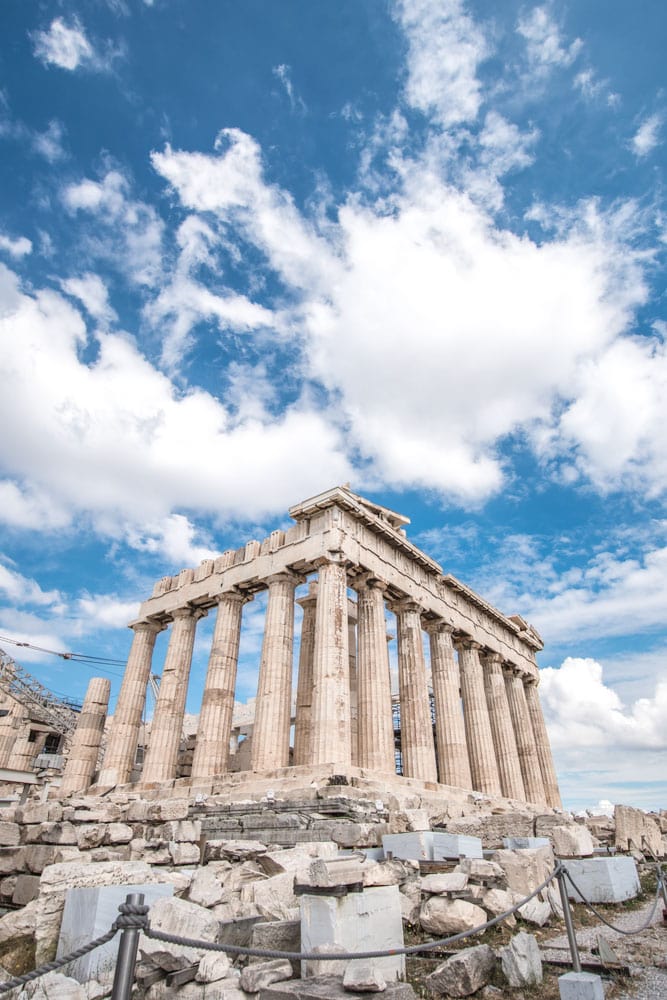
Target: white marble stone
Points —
{"points": [[604, 880]]}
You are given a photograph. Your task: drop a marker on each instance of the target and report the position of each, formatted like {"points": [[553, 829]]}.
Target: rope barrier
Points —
{"points": [[134, 916], [57, 963], [619, 930]]}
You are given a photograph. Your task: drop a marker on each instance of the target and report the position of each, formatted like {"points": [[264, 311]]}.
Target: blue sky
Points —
{"points": [[252, 250]]}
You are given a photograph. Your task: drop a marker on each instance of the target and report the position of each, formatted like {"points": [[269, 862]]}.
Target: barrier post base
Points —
{"points": [[580, 986]]}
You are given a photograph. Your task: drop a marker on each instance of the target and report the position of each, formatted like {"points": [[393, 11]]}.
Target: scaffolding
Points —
{"points": [[43, 705]]}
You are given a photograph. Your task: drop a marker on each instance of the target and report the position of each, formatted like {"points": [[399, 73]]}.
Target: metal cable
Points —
{"points": [[345, 955], [619, 930], [57, 963]]}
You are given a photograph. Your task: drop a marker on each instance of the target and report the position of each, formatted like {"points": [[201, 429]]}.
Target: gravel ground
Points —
{"points": [[645, 953]]}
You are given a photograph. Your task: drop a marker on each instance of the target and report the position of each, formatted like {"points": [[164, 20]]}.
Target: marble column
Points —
{"points": [[417, 747], [507, 756], [549, 779], [271, 729], [167, 725], [87, 740], [211, 754], [123, 739], [525, 740], [375, 723], [354, 695], [304, 687], [450, 735], [331, 731], [481, 752]]}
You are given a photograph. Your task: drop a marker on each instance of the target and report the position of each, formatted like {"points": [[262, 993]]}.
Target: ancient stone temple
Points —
{"points": [[473, 721]]}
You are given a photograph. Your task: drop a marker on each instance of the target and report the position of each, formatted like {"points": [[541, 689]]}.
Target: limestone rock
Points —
{"points": [[119, 833], [535, 912], [90, 835], [213, 966], [417, 819], [206, 888], [184, 853], [363, 977], [447, 882], [497, 901], [478, 869], [58, 833], [572, 841], [525, 870], [10, 834], [232, 850], [25, 890], [443, 916], [273, 897], [176, 916], [634, 828], [255, 977], [464, 973], [521, 961], [54, 986]]}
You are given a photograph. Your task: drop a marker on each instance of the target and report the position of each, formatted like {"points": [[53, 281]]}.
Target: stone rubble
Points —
{"points": [[243, 890]]}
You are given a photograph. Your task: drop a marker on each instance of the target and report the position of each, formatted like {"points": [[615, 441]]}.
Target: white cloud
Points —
{"points": [[445, 47], [604, 749], [594, 89], [174, 538], [25, 508], [19, 247], [91, 291], [133, 231], [106, 611], [283, 72], [647, 136], [63, 45], [544, 43], [116, 439], [21, 590], [49, 144]]}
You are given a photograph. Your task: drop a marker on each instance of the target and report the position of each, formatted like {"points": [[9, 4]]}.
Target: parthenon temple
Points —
{"points": [[471, 721]]}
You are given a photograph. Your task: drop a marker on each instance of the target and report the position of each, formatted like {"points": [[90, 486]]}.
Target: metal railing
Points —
{"points": [[133, 920]]}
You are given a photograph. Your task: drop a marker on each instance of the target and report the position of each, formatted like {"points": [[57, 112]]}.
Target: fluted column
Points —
{"points": [[549, 779], [525, 740], [417, 748], [270, 734], [354, 695], [124, 735], [481, 752], [375, 724], [304, 687], [167, 724], [451, 746], [507, 756], [211, 754], [87, 739], [331, 733]]}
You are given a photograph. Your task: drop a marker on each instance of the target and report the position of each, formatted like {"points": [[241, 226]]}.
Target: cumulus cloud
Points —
{"points": [[125, 231], [91, 291], [647, 136], [106, 611], [115, 438], [23, 591], [64, 45], [445, 47], [19, 247], [545, 47]]}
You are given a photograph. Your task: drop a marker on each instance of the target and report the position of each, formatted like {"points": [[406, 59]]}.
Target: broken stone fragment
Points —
{"points": [[521, 961], [363, 977], [261, 974], [464, 973], [442, 916]]}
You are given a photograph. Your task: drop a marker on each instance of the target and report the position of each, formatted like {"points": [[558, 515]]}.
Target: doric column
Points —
{"points": [[270, 733], [354, 696], [331, 735], [167, 724], [450, 735], [211, 755], [417, 748], [549, 779], [375, 723], [507, 756], [124, 736], [304, 687], [525, 740], [481, 752], [87, 739]]}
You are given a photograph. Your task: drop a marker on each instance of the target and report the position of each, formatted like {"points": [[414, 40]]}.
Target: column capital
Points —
{"points": [[335, 557], [465, 642], [437, 626], [530, 681], [511, 669], [491, 656], [188, 612], [368, 581], [236, 595], [285, 576], [405, 604], [148, 625]]}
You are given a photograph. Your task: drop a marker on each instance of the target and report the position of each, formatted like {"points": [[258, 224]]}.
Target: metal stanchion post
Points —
{"points": [[663, 889], [569, 926], [127, 954]]}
